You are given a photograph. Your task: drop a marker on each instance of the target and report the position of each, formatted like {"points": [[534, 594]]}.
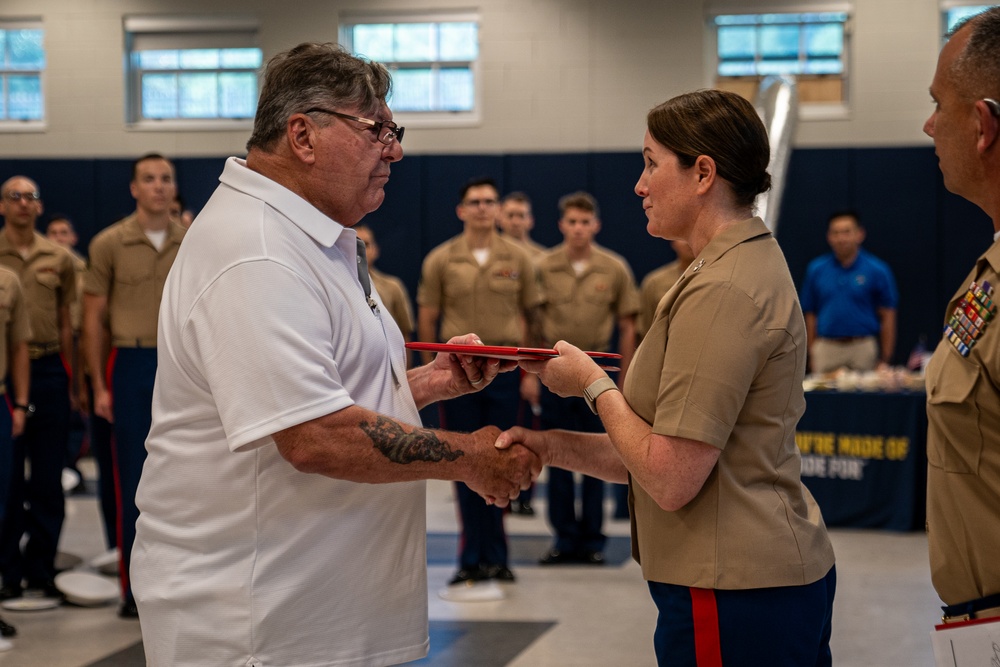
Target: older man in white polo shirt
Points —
{"points": [[269, 532]]}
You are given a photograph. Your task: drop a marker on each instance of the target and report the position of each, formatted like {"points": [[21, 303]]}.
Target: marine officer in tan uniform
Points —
{"points": [[49, 283], [588, 291], [481, 282], [732, 545], [963, 402], [129, 262]]}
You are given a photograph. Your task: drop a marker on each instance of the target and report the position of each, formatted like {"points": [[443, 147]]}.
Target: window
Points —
{"points": [[22, 66], [955, 13], [199, 70], [433, 60], [810, 46]]}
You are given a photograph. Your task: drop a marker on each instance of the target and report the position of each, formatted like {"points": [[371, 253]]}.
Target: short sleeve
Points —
{"points": [[98, 278], [716, 346], [429, 289], [20, 324], [268, 360], [889, 296]]}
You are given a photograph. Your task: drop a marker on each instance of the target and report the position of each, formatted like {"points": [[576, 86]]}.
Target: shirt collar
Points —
{"points": [[132, 232], [496, 247], [992, 257], [728, 239], [299, 212], [39, 245]]}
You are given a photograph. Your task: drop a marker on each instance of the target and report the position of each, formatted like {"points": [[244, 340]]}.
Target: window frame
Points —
{"points": [[946, 6], [427, 119], [235, 30], [833, 110], [15, 125]]}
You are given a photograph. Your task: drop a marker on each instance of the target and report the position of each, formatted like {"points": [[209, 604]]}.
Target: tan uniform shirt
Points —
{"points": [[723, 363], [127, 269], [963, 453], [654, 286], [488, 300], [395, 298], [13, 318], [582, 308], [48, 282]]}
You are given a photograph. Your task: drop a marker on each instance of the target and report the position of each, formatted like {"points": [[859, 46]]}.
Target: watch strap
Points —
{"points": [[28, 408], [595, 389]]}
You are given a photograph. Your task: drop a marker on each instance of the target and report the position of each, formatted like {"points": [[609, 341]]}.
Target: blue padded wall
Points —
{"points": [[930, 237]]}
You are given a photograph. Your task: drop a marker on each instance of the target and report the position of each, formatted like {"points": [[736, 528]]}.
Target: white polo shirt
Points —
{"points": [[240, 559]]}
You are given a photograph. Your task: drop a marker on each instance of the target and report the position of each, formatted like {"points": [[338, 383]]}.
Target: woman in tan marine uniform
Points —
{"points": [[733, 547]]}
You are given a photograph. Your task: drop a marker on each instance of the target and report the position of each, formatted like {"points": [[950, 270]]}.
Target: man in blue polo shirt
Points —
{"points": [[849, 301]]}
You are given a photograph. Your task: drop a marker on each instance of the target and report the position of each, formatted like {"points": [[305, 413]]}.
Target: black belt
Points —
{"points": [[987, 607]]}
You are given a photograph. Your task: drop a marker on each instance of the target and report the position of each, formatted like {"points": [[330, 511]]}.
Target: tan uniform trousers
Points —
{"points": [[857, 354]]}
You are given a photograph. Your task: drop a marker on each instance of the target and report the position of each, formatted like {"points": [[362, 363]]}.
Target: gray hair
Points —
{"points": [[312, 75]]}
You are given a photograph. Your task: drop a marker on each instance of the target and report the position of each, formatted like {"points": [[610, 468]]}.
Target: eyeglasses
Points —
{"points": [[385, 130], [476, 203], [993, 105], [15, 196], [26, 196]]}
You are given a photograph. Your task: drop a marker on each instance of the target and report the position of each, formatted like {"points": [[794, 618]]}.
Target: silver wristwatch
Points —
{"points": [[595, 389]]}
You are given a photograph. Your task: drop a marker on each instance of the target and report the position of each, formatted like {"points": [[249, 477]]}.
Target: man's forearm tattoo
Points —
{"points": [[401, 447]]}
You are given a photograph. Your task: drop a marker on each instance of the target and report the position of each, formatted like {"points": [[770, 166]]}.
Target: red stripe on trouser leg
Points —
{"points": [[705, 615]]}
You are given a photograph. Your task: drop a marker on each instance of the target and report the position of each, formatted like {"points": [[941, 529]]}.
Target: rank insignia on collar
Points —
{"points": [[701, 263], [970, 318]]}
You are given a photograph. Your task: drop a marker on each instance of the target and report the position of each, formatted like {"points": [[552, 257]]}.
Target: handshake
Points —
{"points": [[505, 463]]}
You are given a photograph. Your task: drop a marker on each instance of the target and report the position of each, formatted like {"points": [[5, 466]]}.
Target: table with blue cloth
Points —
{"points": [[864, 457]]}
